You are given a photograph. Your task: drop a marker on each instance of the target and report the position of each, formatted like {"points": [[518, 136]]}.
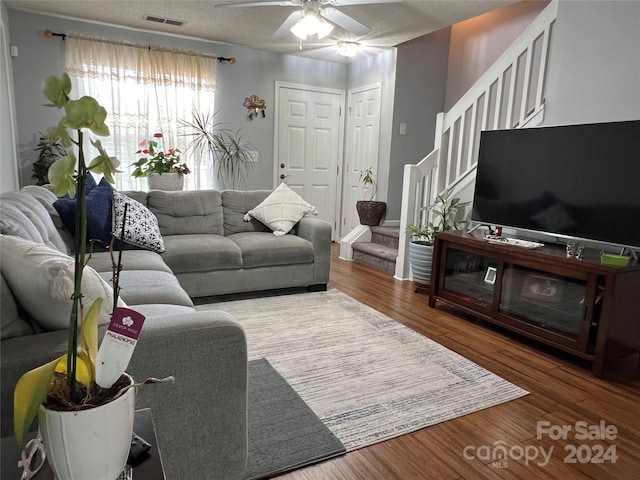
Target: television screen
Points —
{"points": [[575, 181]]}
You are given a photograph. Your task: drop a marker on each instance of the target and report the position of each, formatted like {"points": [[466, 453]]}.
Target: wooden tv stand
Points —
{"points": [[582, 307]]}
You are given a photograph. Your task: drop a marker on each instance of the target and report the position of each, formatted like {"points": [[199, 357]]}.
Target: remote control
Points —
{"points": [[139, 450]]}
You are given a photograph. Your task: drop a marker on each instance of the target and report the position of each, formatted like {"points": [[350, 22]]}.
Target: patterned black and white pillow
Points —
{"points": [[141, 228]]}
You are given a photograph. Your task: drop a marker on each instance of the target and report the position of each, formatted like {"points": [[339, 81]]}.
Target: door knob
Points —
{"points": [[283, 176]]}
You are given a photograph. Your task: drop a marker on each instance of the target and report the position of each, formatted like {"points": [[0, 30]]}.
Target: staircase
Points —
{"points": [[381, 252], [510, 94]]}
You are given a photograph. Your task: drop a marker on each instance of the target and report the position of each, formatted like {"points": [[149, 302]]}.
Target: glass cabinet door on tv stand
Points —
{"points": [[470, 276], [553, 306]]}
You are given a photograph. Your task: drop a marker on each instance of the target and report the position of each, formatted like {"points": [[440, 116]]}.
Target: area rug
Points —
{"points": [[366, 376], [284, 433]]}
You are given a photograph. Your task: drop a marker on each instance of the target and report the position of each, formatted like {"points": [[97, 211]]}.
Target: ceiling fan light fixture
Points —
{"points": [[311, 24], [348, 49]]}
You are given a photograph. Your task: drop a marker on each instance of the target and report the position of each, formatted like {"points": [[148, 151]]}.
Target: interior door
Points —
{"points": [[308, 145], [362, 138]]}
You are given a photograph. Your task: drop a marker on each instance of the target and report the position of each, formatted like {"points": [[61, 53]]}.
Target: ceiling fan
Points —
{"points": [[313, 17]]}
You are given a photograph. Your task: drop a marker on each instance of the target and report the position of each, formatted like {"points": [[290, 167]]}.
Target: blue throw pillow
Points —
{"points": [[99, 207]]}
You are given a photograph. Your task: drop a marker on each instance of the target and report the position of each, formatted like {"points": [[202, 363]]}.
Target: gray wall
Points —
{"points": [[594, 68], [8, 167], [478, 42], [419, 96], [255, 73]]}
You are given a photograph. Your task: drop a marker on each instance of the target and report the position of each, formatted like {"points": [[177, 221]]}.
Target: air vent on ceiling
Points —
{"points": [[168, 21]]}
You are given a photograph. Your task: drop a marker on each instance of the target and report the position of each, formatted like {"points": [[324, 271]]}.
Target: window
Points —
{"points": [[145, 90]]}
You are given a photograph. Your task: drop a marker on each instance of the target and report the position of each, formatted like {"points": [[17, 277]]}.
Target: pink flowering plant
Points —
{"points": [[155, 160]]}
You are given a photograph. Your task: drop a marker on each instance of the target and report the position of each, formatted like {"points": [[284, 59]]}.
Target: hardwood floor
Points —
{"points": [[562, 392]]}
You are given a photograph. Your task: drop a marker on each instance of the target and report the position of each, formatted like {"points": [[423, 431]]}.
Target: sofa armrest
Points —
{"points": [[318, 232], [201, 420]]}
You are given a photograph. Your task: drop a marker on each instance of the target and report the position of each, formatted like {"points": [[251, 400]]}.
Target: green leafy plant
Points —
{"points": [[49, 150], [75, 381], [230, 153], [442, 215], [156, 160], [368, 177]]}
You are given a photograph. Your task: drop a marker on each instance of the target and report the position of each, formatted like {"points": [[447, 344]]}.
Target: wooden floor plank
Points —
{"points": [[562, 391]]}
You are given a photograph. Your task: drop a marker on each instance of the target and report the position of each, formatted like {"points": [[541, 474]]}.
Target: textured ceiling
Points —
{"points": [[391, 23]]}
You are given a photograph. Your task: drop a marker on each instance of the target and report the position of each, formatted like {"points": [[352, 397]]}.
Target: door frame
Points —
{"points": [[349, 124], [341, 130]]}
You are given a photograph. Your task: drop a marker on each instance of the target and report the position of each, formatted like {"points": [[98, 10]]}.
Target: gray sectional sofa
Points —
{"points": [[201, 420]]}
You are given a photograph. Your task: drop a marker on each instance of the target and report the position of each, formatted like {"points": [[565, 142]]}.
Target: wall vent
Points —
{"points": [[167, 21]]}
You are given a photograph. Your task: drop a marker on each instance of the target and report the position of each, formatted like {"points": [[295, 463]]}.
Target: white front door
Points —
{"points": [[308, 145], [362, 138]]}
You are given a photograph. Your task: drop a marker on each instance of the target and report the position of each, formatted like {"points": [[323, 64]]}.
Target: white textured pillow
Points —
{"points": [[281, 210], [141, 228], [41, 279]]}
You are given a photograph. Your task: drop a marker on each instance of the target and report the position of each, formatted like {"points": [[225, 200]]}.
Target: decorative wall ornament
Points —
{"points": [[255, 105]]}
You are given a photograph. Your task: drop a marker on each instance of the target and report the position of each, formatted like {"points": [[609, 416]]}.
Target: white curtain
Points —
{"points": [[146, 90]]}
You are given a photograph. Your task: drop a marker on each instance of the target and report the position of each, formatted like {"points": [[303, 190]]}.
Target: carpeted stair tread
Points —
{"points": [[377, 250], [387, 236], [387, 231]]}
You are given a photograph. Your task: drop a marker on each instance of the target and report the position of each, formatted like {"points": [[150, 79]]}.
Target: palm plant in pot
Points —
{"points": [[443, 214], [64, 394], [230, 153], [370, 212], [163, 170]]}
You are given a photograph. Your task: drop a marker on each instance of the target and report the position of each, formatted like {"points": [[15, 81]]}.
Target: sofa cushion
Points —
{"points": [[140, 287], [141, 225], [41, 279], [281, 210], [131, 260], [201, 253], [262, 249], [25, 217], [162, 309], [12, 324], [99, 205], [236, 204], [185, 213]]}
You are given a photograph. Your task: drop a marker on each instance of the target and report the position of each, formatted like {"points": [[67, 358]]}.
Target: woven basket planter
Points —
{"points": [[370, 212], [165, 181]]}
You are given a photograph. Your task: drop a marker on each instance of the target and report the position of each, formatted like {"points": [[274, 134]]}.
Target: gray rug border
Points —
{"points": [[287, 467]]}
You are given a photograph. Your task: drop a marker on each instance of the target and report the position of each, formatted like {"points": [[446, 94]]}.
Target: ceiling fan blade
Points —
{"points": [[285, 29], [344, 21], [344, 3], [268, 3]]}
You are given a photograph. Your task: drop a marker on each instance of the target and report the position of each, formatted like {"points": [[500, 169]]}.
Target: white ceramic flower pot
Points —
{"points": [[165, 181], [89, 444]]}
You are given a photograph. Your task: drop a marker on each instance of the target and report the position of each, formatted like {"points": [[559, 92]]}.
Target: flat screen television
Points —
{"points": [[572, 181]]}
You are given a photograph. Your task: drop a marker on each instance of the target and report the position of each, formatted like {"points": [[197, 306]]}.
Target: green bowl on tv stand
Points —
{"points": [[615, 260]]}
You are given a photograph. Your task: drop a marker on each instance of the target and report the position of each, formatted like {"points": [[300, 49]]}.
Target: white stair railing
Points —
{"points": [[510, 94]]}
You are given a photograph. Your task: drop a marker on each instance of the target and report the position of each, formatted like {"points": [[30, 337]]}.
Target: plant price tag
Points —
{"points": [[117, 345]]}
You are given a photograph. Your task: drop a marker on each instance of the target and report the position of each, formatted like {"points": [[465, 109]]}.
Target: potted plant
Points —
{"points": [[162, 170], [370, 211], [443, 214], [49, 150], [230, 153], [64, 390]]}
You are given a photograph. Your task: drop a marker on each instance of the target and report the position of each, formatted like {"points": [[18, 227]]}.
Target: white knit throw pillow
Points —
{"points": [[281, 210]]}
